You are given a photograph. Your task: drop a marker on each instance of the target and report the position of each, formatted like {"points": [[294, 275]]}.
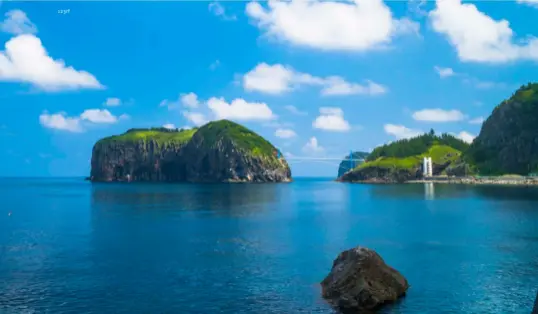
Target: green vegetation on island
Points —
{"points": [[402, 160], [159, 135], [220, 151], [508, 139], [243, 137]]}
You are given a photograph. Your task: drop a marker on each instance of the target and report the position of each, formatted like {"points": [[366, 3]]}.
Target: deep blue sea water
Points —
{"points": [[73, 247]]}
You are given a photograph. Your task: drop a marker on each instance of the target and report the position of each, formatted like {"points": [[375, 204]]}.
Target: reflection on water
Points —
{"points": [[185, 197], [429, 191]]}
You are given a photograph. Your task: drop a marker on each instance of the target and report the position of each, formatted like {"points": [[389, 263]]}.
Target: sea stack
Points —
{"points": [[361, 281], [220, 151]]}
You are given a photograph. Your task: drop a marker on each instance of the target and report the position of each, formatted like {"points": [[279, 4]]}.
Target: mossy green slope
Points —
{"points": [[159, 135], [242, 137], [402, 160]]}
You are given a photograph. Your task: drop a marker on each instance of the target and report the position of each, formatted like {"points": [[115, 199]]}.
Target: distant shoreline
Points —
{"points": [[501, 180]]}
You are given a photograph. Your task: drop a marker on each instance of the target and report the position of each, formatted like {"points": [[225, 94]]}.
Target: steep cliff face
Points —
{"points": [[220, 151], [140, 155], [224, 151], [508, 140]]}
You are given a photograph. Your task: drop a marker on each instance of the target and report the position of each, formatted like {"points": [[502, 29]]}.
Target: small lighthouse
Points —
{"points": [[427, 167]]}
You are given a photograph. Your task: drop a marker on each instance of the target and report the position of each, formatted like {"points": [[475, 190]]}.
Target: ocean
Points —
{"points": [[69, 246]]}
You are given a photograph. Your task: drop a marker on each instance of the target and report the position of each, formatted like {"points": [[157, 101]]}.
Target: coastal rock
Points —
{"points": [[508, 140], [381, 175], [360, 280], [220, 151]]}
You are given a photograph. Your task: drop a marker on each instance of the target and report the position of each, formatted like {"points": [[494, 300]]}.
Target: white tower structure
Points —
{"points": [[427, 170]]}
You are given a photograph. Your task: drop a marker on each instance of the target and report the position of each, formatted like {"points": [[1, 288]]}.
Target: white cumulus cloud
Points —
{"points": [[331, 119], [26, 60], [240, 109], [217, 9], [295, 111], [444, 72], [98, 116], [478, 120], [189, 100], [60, 121], [169, 126], [533, 3], [466, 137], [438, 115], [285, 133], [112, 102], [400, 131], [16, 23], [478, 37], [312, 146], [278, 79], [196, 118], [358, 25]]}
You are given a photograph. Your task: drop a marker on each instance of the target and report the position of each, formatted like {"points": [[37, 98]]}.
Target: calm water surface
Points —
{"points": [[73, 247]]}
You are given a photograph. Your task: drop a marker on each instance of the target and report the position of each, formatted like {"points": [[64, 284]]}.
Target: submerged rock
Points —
{"points": [[361, 281]]}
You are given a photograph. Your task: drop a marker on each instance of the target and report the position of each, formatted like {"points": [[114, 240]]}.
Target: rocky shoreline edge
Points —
{"points": [[521, 181]]}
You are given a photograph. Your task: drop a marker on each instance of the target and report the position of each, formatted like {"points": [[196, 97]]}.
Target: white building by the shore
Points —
{"points": [[427, 170]]}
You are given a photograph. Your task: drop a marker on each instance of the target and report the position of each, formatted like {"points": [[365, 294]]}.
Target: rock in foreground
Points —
{"points": [[360, 281]]}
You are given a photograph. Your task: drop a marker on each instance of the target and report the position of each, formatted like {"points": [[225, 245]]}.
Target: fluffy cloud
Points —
{"points": [[466, 137], [478, 120], [438, 115], [217, 9], [195, 117], [112, 102], [277, 79], [26, 60], [189, 100], [169, 126], [329, 25], [17, 23], [400, 131], [60, 121], [477, 37], [239, 109], [444, 72], [312, 146], [98, 116], [295, 111], [285, 133], [331, 119], [533, 3]]}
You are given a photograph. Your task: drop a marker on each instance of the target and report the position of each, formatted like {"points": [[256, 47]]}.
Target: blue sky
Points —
{"points": [[316, 79]]}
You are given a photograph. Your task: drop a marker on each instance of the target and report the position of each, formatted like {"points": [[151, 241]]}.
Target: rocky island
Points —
{"points": [[220, 151]]}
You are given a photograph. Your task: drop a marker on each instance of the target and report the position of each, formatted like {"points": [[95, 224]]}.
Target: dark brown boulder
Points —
{"points": [[361, 281]]}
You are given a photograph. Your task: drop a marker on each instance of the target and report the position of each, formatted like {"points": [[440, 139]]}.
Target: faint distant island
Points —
{"points": [[220, 151], [351, 161], [505, 151]]}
